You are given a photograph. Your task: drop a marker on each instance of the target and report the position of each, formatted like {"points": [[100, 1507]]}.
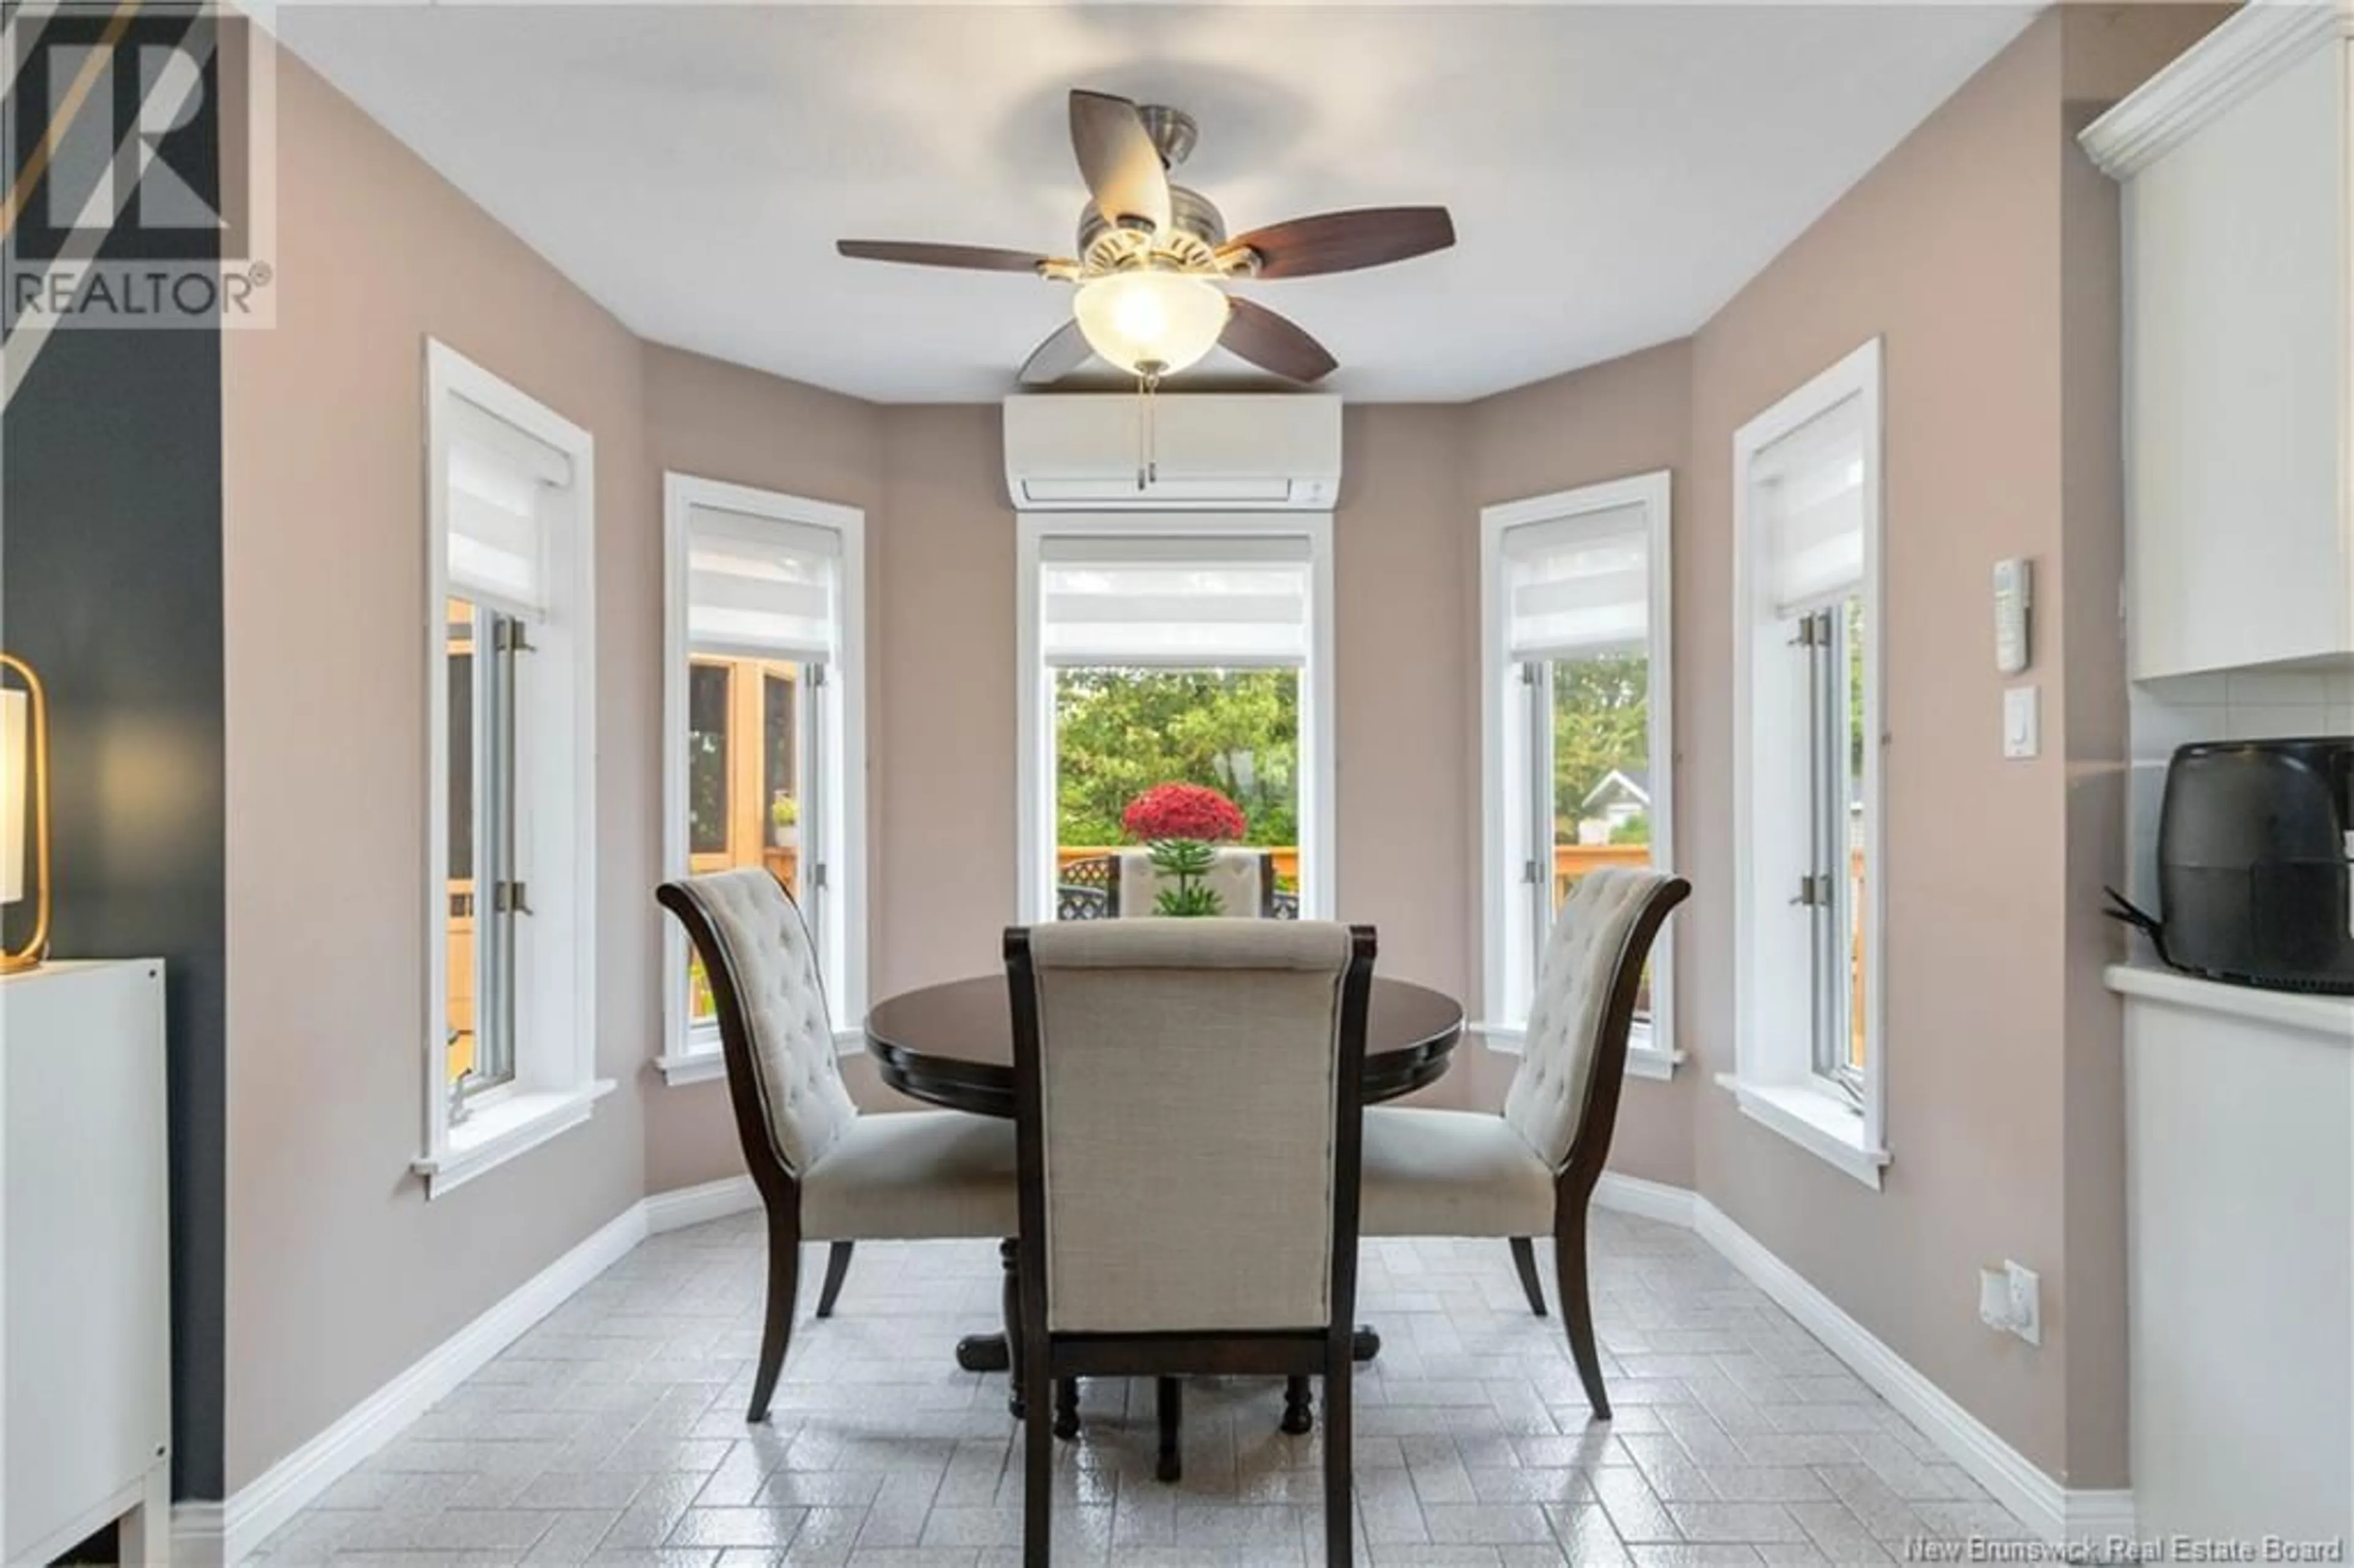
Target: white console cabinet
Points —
{"points": [[2238, 170], [85, 1319]]}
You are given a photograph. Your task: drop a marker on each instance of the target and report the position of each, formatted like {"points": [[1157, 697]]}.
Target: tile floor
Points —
{"points": [[613, 1433]]}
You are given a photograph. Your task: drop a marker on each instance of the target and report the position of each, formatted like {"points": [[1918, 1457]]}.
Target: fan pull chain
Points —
{"points": [[1147, 465]]}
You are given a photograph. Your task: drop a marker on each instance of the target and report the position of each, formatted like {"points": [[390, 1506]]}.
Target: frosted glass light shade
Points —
{"points": [[16, 775], [1163, 320]]}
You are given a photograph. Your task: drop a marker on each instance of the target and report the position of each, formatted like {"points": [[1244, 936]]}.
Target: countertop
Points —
{"points": [[2328, 1017]]}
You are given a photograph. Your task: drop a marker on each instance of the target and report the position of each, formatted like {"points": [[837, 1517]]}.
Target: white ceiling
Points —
{"points": [[1615, 173]]}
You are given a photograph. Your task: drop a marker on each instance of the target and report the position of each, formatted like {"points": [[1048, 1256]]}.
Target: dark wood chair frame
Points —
{"points": [[1049, 1358], [778, 1184], [1590, 1148]]}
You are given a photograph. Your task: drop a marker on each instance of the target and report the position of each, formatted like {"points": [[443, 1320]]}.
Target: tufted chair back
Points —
{"points": [[1584, 1004], [1244, 880], [762, 964]]}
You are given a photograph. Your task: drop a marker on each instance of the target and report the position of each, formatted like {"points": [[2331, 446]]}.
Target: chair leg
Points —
{"points": [[784, 1286], [1170, 1396], [1339, 1461], [1037, 1464], [837, 1269], [1299, 1407], [1524, 1259], [1067, 1408], [1577, 1309]]}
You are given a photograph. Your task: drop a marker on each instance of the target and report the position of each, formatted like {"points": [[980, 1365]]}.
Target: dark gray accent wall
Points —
{"points": [[110, 588]]}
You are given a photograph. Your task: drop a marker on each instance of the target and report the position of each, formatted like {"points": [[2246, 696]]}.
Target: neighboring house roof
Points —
{"points": [[1633, 782]]}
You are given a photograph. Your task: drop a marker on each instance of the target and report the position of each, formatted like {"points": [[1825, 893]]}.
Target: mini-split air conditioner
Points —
{"points": [[1205, 452]]}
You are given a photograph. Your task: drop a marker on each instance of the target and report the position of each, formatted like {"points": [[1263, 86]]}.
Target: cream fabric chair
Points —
{"points": [[1244, 880], [1530, 1170], [824, 1172], [1187, 1100]]}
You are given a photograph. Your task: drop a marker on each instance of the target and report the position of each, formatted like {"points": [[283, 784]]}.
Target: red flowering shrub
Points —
{"points": [[1182, 811]]}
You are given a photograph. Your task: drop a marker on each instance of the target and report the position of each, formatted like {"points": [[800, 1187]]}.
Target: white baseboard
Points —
{"points": [[279, 1493], [197, 1534], [2054, 1511], [686, 1206], [1649, 1200]]}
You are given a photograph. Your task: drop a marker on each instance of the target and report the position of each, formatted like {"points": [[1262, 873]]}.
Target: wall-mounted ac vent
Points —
{"points": [[1210, 451]]}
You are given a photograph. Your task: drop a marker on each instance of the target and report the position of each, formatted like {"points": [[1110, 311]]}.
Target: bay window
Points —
{"points": [[1806, 770], [1173, 650], [763, 738], [1577, 730], [511, 1047]]}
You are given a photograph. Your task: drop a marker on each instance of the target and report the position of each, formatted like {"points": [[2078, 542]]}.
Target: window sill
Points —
{"points": [[707, 1064], [1821, 1124], [694, 1067], [1643, 1061], [511, 1125]]}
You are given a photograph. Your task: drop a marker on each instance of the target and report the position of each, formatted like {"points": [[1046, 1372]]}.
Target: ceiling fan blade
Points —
{"points": [[914, 253], [1119, 161], [1064, 350], [1345, 241], [1273, 342]]}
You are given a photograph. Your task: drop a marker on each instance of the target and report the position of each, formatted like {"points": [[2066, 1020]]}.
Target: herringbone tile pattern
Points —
{"points": [[613, 1433]]}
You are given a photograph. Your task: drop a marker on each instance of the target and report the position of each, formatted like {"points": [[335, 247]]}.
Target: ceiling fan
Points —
{"points": [[1152, 256]]}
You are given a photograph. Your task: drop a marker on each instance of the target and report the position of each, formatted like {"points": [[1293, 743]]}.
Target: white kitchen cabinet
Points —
{"points": [[85, 1299], [2237, 174], [2240, 1169]]}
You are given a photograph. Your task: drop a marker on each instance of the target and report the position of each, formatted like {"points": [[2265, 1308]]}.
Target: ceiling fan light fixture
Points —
{"points": [[1166, 321]]}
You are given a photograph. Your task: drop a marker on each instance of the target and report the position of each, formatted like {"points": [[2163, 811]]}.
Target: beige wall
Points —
{"points": [[1982, 250], [716, 421], [340, 1275], [1629, 415], [1977, 251]]}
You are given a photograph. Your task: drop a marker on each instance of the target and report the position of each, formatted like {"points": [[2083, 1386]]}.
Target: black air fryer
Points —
{"points": [[2253, 843]]}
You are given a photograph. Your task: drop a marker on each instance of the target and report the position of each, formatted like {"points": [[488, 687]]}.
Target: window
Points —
{"points": [[509, 805], [1577, 729], [764, 733], [1174, 649], [1807, 953]]}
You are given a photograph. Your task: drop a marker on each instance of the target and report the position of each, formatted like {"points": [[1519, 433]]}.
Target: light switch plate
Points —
{"points": [[2021, 722]]}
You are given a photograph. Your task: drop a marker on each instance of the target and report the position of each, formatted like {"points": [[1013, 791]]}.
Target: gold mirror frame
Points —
{"points": [[36, 748]]}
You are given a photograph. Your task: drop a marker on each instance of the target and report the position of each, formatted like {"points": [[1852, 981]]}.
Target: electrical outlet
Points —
{"points": [[2026, 1303], [2011, 1299]]}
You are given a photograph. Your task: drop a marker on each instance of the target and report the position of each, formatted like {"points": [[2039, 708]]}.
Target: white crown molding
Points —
{"points": [[2255, 45]]}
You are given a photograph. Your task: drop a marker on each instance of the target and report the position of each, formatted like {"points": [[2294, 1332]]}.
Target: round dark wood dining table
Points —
{"points": [[952, 1045]]}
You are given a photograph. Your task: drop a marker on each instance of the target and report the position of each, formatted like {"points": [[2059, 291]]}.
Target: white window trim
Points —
{"points": [[1034, 764], [1774, 1080], [1655, 1055], [550, 1095], [693, 1056]]}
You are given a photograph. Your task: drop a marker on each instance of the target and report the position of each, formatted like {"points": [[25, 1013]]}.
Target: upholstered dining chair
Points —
{"points": [[1187, 1103], [824, 1172], [1530, 1170], [1244, 880]]}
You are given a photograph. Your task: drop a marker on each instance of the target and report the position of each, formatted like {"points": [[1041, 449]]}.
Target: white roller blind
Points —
{"points": [[760, 586], [1227, 603], [1578, 585], [1806, 489], [499, 476]]}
